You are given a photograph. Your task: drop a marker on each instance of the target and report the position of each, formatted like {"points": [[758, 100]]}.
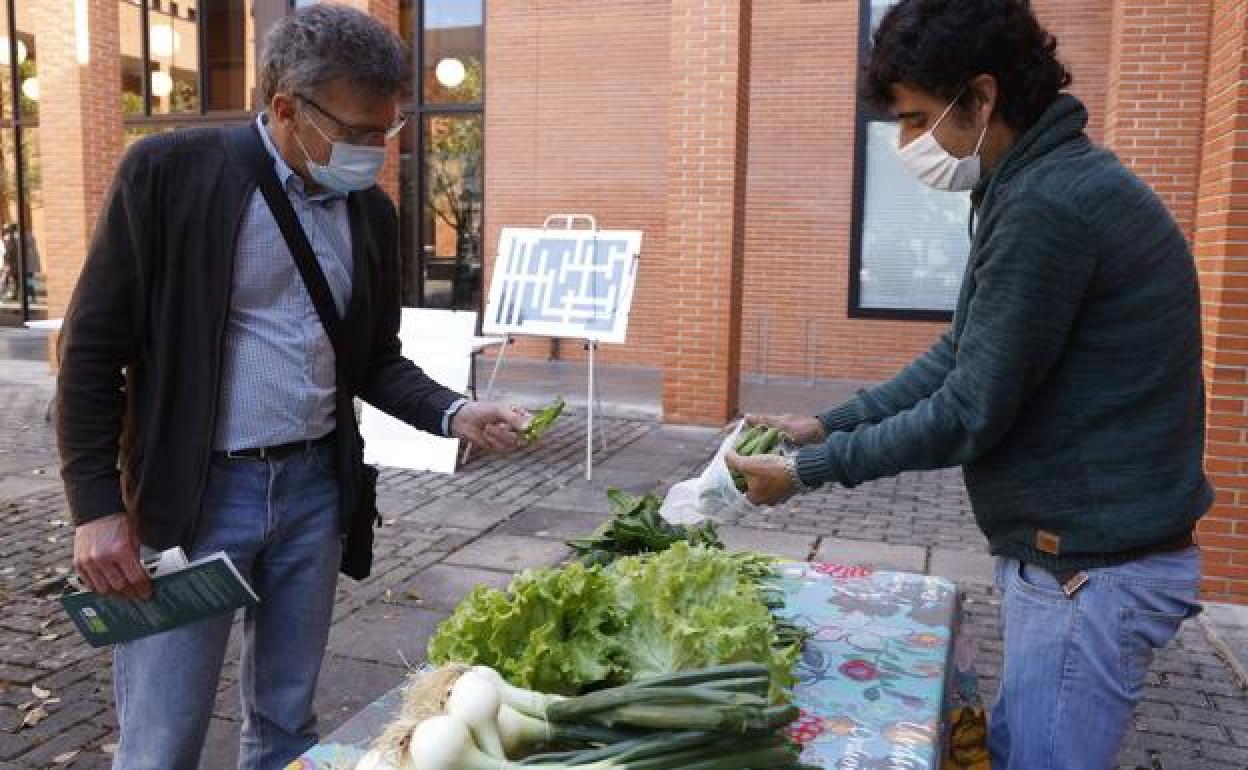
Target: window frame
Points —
{"points": [[18, 122], [418, 110], [864, 115], [260, 9]]}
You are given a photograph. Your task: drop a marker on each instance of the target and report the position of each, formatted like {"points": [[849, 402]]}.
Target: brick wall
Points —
{"points": [[576, 127], [1221, 249], [706, 162], [80, 134], [576, 120], [1159, 53]]}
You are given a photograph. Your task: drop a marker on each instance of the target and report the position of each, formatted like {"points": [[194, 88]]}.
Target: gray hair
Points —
{"points": [[318, 44]]}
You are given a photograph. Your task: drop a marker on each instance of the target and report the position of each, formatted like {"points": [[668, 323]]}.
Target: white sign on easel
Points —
{"points": [[564, 282]]}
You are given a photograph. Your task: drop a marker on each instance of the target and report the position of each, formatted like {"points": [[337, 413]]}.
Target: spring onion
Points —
{"points": [[475, 699], [445, 743]]}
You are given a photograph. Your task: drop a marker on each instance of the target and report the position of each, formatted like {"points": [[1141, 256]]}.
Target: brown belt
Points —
{"points": [[1072, 580]]}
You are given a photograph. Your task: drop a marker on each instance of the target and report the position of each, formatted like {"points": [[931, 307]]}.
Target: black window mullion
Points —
{"points": [[145, 51], [418, 147], [201, 24], [19, 170]]}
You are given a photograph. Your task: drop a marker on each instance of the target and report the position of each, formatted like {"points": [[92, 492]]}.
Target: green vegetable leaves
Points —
{"points": [[549, 632], [691, 607], [563, 630], [542, 421], [636, 528]]}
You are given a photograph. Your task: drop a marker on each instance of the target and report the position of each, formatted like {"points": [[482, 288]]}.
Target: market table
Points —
{"points": [[876, 681]]}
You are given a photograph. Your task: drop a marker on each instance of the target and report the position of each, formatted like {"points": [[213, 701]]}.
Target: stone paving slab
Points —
{"points": [[442, 586], [509, 553], [385, 633], [904, 558], [463, 512], [553, 524], [962, 566], [1227, 625], [789, 546], [591, 496]]}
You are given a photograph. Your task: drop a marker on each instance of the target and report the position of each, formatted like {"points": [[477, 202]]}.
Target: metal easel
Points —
{"points": [[593, 400]]}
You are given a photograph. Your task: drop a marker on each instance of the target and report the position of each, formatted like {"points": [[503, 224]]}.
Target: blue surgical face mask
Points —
{"points": [[351, 167]]}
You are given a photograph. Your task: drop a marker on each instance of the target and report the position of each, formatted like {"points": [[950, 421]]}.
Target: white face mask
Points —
{"points": [[351, 167], [936, 167]]}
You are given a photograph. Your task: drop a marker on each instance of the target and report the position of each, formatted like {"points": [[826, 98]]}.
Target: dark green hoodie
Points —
{"points": [[1069, 386]]}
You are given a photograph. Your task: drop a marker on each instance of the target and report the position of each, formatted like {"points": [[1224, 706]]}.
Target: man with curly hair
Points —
{"points": [[1068, 387]]}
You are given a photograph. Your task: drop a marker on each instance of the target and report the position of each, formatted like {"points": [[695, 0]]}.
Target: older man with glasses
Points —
{"points": [[241, 290]]}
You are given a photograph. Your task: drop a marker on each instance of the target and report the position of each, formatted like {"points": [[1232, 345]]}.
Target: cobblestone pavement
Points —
{"points": [[444, 535]]}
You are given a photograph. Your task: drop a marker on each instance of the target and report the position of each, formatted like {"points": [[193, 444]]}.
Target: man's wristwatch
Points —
{"points": [[790, 465]]}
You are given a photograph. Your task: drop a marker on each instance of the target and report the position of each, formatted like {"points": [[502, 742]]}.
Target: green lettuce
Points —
{"points": [[551, 631], [571, 628], [691, 607]]}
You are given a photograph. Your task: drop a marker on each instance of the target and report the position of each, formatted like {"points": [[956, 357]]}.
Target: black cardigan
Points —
{"points": [[140, 354]]}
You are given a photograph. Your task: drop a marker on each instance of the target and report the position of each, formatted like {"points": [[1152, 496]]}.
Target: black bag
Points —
{"points": [[357, 553]]}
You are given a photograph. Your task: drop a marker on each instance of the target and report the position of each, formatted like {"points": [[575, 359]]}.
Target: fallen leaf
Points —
{"points": [[109, 748], [52, 701], [39, 692], [48, 637], [25, 706], [35, 716], [61, 759], [414, 595]]}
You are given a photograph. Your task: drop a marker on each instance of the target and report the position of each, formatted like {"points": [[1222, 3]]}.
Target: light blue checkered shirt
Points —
{"points": [[278, 381]]}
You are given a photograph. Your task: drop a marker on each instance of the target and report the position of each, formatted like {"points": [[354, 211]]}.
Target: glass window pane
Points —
{"points": [[27, 64], [453, 45], [21, 268], [36, 283], [131, 36], [452, 211], [10, 271], [229, 52], [6, 64], [914, 238], [173, 53]]}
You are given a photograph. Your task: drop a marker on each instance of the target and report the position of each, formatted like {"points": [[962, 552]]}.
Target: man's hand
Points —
{"points": [[766, 477], [106, 557], [803, 430], [489, 425]]}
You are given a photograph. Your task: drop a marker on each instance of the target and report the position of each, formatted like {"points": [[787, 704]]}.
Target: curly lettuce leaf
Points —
{"points": [[567, 629], [691, 607], [551, 630]]}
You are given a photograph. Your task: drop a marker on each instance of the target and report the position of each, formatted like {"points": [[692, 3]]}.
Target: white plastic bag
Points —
{"points": [[713, 495]]}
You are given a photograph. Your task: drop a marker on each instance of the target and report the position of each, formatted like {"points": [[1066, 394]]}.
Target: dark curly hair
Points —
{"points": [[938, 46]]}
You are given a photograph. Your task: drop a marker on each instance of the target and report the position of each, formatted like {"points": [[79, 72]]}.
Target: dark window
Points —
{"points": [[442, 155], [193, 67], [910, 242], [23, 216]]}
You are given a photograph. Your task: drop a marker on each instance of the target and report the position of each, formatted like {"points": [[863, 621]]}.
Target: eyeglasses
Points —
{"points": [[353, 134]]}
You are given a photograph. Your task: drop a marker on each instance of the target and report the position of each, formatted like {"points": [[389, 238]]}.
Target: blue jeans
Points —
{"points": [[278, 521], [1075, 667]]}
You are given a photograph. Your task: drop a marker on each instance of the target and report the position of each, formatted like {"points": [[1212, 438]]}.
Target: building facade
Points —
{"points": [[781, 236]]}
